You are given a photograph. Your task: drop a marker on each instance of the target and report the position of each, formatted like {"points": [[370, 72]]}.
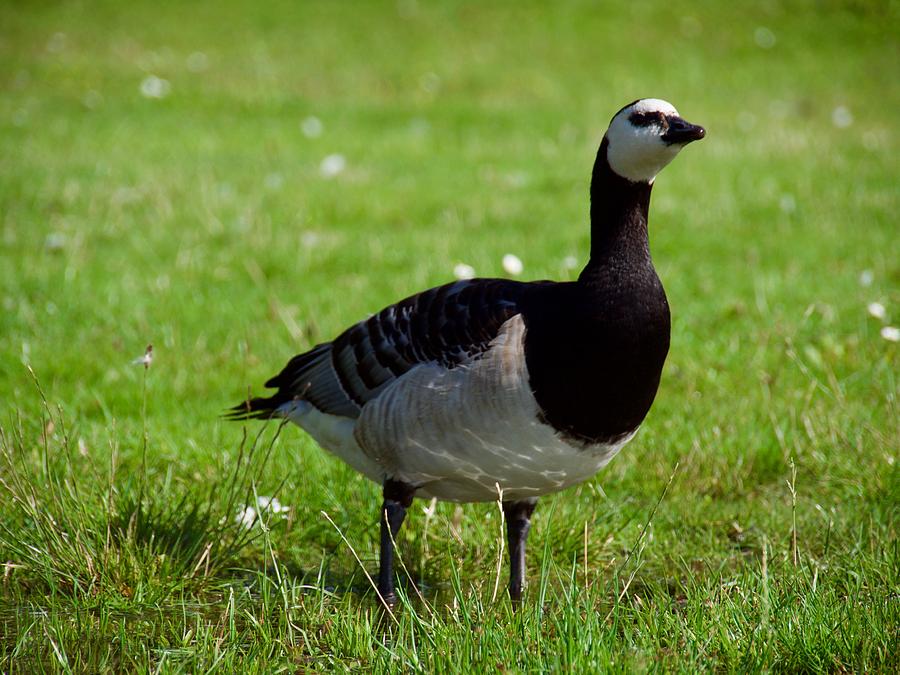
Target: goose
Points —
{"points": [[488, 389]]}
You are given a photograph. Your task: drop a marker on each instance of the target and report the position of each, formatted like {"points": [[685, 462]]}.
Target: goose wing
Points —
{"points": [[448, 325]]}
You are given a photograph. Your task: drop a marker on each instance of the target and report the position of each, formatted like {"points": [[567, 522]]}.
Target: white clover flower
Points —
{"points": [[891, 333], [56, 43], [312, 127], [764, 37], [430, 82], [271, 504], [841, 117], [155, 87], [463, 271], [274, 181], [197, 62], [92, 99], [512, 264], [55, 241], [332, 165], [877, 310], [310, 239], [787, 203], [246, 517]]}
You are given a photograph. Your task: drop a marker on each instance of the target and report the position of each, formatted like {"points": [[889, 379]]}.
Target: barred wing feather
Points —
{"points": [[448, 325]]}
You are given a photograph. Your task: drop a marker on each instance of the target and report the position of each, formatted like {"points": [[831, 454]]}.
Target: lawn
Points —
{"points": [[234, 184]]}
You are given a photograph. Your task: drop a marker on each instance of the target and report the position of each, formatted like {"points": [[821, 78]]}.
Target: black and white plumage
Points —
{"points": [[532, 387]]}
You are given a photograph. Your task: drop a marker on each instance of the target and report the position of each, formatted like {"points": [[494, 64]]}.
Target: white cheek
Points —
{"points": [[638, 153]]}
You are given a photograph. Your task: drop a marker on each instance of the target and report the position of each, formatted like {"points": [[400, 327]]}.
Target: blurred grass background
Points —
{"points": [[234, 183]]}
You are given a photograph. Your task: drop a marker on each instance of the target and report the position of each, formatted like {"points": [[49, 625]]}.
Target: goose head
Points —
{"points": [[644, 136]]}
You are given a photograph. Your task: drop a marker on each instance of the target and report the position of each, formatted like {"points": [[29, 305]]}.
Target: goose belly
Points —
{"points": [[472, 462]]}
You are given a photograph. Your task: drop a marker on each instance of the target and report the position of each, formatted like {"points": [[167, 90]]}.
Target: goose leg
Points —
{"points": [[518, 522], [398, 497]]}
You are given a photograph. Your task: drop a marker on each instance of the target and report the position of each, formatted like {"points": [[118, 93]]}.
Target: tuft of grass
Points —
{"points": [[78, 530]]}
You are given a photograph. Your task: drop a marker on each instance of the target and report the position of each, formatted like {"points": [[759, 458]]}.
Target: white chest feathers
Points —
{"points": [[458, 433]]}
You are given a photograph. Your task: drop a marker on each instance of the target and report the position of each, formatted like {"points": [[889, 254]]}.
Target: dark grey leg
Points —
{"points": [[398, 497], [518, 522]]}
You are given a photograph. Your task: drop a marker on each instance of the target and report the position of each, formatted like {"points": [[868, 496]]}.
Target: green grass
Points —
{"points": [[200, 223]]}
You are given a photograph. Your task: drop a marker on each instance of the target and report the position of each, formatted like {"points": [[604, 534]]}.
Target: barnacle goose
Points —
{"points": [[486, 383]]}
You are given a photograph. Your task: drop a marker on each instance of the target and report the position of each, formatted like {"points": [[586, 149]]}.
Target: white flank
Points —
{"points": [[335, 434], [458, 433]]}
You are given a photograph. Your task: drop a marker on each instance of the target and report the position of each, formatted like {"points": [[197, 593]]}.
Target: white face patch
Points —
{"points": [[636, 152]]}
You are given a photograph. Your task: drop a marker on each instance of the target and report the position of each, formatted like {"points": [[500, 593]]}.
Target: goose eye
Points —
{"points": [[641, 119]]}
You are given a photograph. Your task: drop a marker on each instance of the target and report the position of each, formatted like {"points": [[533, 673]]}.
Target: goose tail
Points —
{"points": [[258, 408]]}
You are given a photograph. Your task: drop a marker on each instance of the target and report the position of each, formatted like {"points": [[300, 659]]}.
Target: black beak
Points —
{"points": [[682, 132]]}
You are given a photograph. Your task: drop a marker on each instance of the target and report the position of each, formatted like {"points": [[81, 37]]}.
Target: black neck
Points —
{"points": [[595, 349], [619, 209]]}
